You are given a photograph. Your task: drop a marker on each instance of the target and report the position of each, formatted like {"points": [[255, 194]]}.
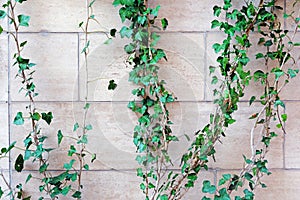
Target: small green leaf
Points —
{"points": [[19, 163], [75, 127], [112, 85], [83, 139], [19, 120], [293, 72], [86, 167], [284, 117], [91, 3], [47, 117], [59, 137], [1, 29], [43, 167], [2, 14], [28, 178], [86, 106], [77, 195], [214, 80], [72, 150], [252, 99], [126, 32], [208, 188], [69, 166], [279, 103], [93, 157], [217, 11], [36, 116], [113, 32], [23, 44], [1, 192], [164, 23], [23, 20]]}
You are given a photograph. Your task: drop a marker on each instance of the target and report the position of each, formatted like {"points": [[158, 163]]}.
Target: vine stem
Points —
{"points": [[84, 130], [34, 125]]}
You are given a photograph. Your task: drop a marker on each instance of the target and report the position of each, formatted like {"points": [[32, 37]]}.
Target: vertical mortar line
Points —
{"points": [[215, 172], [78, 66], [9, 100], [205, 66]]}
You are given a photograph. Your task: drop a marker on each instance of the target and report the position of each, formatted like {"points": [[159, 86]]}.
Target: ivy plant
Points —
{"points": [[153, 134]]}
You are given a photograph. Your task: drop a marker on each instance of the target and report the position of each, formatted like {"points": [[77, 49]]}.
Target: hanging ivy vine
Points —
{"points": [[153, 134]]}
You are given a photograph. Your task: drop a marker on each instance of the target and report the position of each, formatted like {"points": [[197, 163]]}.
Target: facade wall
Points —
{"points": [[55, 43]]}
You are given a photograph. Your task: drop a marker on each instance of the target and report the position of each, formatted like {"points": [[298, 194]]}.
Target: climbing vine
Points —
{"points": [[50, 186], [152, 135]]}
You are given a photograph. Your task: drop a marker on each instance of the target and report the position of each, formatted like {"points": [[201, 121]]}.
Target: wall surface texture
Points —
{"points": [[54, 44]]}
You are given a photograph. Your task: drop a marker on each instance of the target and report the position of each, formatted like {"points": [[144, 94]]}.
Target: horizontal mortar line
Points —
{"points": [[134, 170], [126, 101], [270, 169]]}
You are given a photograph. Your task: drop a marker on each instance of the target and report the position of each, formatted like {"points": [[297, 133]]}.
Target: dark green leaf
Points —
{"points": [[217, 11], [77, 195], [59, 137], [164, 23], [252, 100], [112, 85], [28, 178], [47, 117], [2, 14], [113, 32], [19, 163]]}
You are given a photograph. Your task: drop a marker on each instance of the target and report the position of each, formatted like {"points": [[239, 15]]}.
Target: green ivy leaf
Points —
{"points": [[19, 163], [69, 166], [2, 14], [284, 117], [217, 11], [1, 29], [86, 167], [112, 85], [72, 150], [59, 137], [293, 72], [28, 178], [36, 116], [164, 23], [19, 120], [91, 3], [126, 32], [116, 2], [208, 188], [76, 194], [113, 32], [83, 140], [75, 127], [23, 20], [252, 99], [47, 117], [279, 103], [89, 127]]}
